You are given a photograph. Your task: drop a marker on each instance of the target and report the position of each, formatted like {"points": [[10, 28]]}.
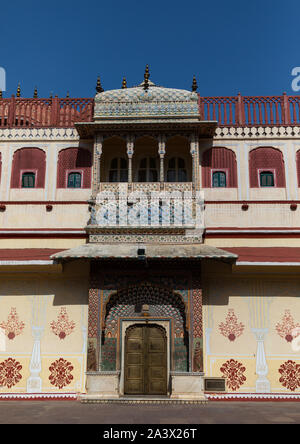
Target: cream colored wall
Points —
{"points": [[38, 299], [241, 147], [259, 302], [35, 216]]}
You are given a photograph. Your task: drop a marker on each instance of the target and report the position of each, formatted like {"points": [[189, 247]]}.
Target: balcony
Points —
{"points": [[146, 206]]}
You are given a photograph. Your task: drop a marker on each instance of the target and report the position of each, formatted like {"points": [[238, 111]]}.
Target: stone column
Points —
{"points": [[262, 383], [39, 305], [98, 144], [162, 153], [196, 328], [130, 151], [194, 150]]}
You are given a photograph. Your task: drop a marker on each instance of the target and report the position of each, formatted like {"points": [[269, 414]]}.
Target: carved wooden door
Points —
{"points": [[145, 360]]}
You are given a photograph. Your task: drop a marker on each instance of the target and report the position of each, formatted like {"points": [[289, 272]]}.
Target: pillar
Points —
{"points": [[130, 151], [162, 153], [98, 144]]}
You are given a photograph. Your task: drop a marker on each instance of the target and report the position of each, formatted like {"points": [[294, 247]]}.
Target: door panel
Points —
{"points": [[145, 360]]}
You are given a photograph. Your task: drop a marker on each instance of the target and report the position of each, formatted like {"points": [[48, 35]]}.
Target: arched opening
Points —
{"points": [[28, 168], [266, 168], [219, 168], [146, 160], [74, 168], [178, 160], [145, 360], [128, 304]]}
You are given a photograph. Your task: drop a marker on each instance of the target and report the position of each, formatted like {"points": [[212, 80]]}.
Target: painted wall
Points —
{"points": [[43, 319], [248, 323]]}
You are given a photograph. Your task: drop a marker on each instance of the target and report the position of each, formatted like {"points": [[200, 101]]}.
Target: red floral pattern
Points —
{"points": [[231, 329], [13, 326], [61, 373], [234, 372], [10, 372], [286, 327], [62, 327], [290, 375]]}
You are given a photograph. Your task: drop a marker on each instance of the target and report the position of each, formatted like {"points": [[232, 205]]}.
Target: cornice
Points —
{"points": [[255, 132], [45, 134]]}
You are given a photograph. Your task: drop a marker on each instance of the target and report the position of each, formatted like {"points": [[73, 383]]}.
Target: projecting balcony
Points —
{"points": [[146, 187], [151, 206]]}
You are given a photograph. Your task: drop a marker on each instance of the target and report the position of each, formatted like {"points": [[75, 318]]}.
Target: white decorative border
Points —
{"points": [[38, 133], [39, 396], [257, 132], [252, 396]]}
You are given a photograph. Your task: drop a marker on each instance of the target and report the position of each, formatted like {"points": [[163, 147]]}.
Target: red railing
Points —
{"points": [[37, 113], [227, 111], [251, 111]]}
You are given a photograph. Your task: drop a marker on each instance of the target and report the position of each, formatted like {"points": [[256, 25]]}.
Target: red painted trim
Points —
{"points": [[44, 202], [17, 235], [241, 202], [265, 254], [251, 235], [41, 229], [252, 228], [23, 254]]}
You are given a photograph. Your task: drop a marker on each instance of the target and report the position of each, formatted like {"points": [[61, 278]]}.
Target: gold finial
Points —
{"points": [[19, 90], [1, 94], [51, 95], [68, 95], [146, 78], [35, 94], [194, 85], [99, 88], [124, 83]]}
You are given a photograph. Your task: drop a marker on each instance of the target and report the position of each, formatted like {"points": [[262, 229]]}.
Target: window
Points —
{"points": [[74, 180], [148, 170], [266, 179], [176, 170], [118, 170], [219, 179], [28, 180]]}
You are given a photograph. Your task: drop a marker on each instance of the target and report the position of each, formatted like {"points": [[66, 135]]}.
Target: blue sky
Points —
{"points": [[231, 46]]}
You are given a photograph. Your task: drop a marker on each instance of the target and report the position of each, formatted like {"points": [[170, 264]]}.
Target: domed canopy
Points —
{"points": [[146, 101]]}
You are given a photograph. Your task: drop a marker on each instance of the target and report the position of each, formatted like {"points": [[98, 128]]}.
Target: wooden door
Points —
{"points": [[145, 360]]}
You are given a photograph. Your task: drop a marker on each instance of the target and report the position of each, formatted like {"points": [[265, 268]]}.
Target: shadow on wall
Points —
{"points": [[69, 287]]}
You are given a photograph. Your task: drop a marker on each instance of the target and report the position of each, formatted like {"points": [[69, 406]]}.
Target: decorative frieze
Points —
{"points": [[16, 134], [255, 132]]}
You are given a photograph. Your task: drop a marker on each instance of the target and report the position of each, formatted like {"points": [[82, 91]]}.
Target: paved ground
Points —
{"points": [[74, 412]]}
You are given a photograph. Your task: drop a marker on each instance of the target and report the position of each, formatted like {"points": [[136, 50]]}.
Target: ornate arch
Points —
{"points": [[127, 303]]}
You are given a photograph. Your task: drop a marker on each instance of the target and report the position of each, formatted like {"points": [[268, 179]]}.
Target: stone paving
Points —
{"points": [[74, 412]]}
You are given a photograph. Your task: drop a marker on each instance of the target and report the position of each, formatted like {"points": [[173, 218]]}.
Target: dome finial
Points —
{"points": [[99, 88], [1, 96], [146, 78], [19, 90], [35, 93], [124, 83], [194, 85]]}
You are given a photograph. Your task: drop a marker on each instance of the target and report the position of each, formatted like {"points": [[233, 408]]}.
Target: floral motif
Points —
{"points": [[234, 372], [290, 375], [285, 329], [10, 372], [231, 329], [62, 327], [61, 373], [13, 326]]}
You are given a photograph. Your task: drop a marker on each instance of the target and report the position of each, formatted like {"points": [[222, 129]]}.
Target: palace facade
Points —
{"points": [[150, 245]]}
